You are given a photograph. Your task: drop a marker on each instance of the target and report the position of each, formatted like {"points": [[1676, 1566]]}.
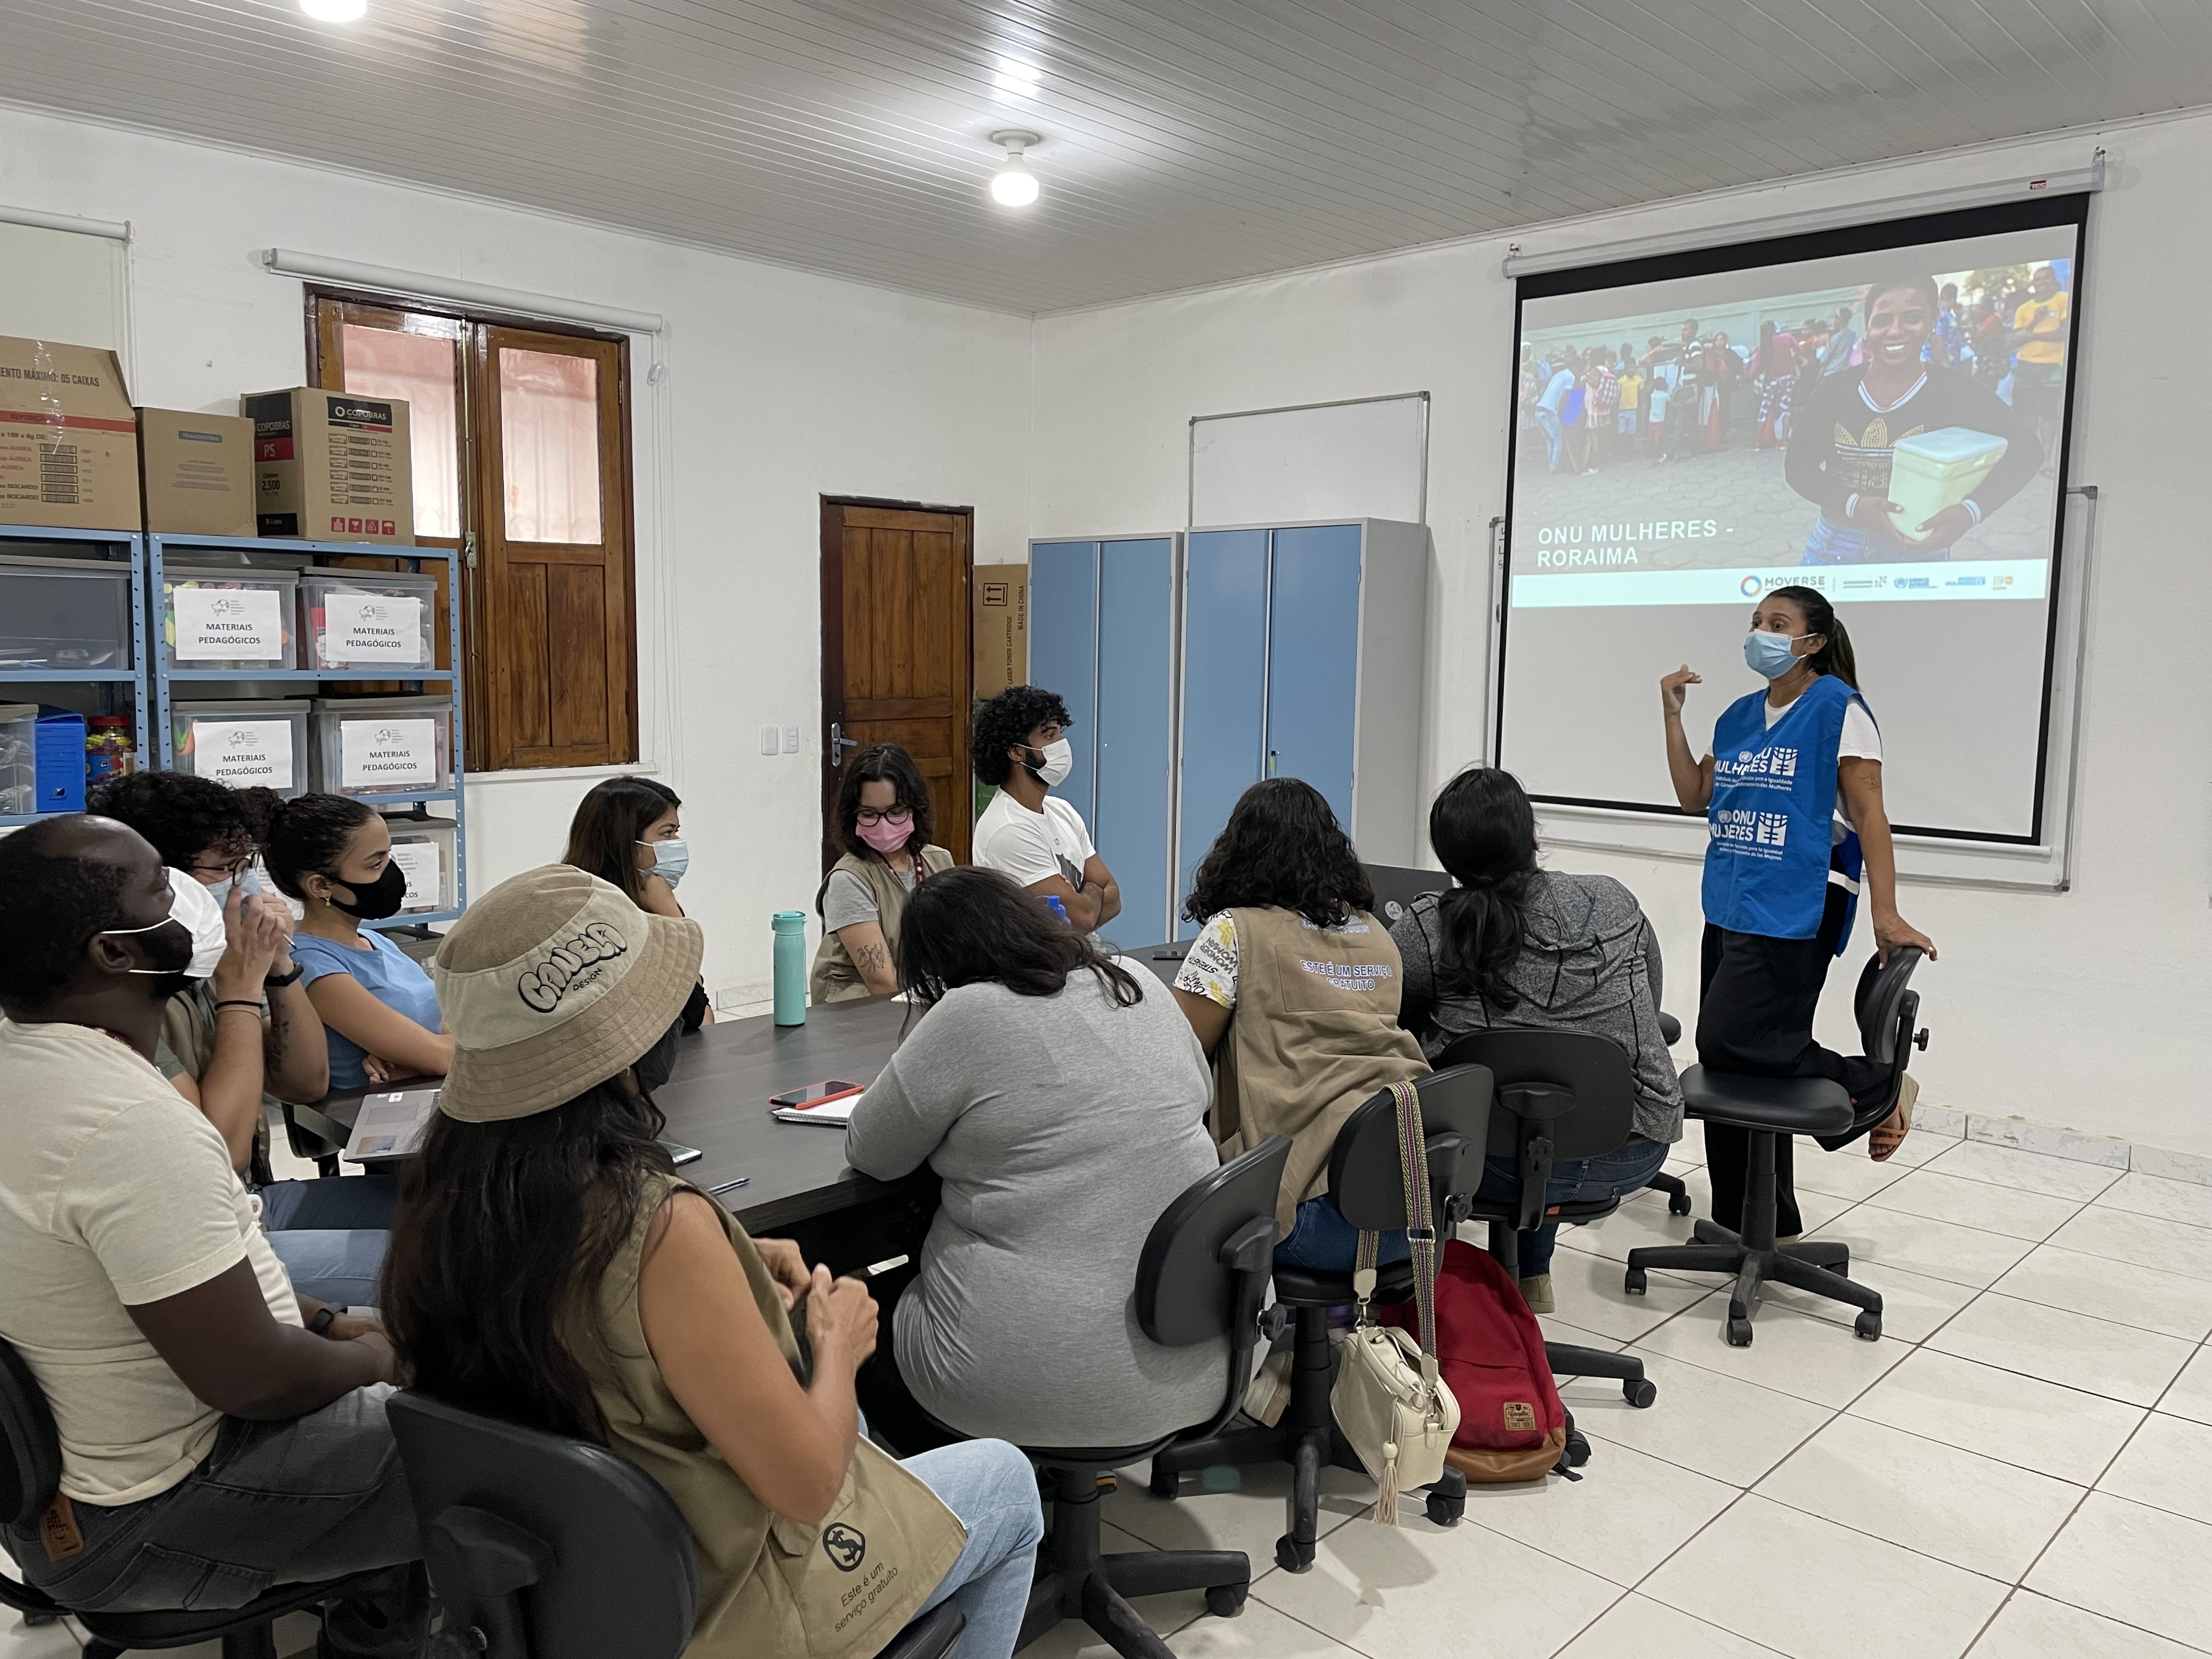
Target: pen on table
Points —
{"points": [[729, 1186]]}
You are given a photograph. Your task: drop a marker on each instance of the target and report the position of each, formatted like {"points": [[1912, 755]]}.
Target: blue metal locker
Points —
{"points": [[1135, 739], [1064, 652], [1224, 686], [1313, 660]]}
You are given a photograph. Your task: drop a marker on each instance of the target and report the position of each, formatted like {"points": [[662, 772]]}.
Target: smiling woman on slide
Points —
{"points": [[1792, 830]]}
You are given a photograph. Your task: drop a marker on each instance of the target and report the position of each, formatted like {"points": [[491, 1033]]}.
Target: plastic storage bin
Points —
{"points": [[245, 744], [368, 619], [60, 761], [425, 848], [232, 618], [19, 757], [384, 745], [1931, 470], [65, 614]]}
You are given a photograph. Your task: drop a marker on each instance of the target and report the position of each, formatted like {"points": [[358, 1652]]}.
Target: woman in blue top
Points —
{"points": [[378, 1007], [1794, 812]]}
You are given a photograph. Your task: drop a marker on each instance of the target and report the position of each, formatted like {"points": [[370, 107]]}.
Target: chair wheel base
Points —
{"points": [[1165, 1483], [1227, 1600], [1445, 1509], [1679, 1205], [1633, 1281], [1639, 1392], [1739, 1332], [1869, 1325], [1290, 1558]]}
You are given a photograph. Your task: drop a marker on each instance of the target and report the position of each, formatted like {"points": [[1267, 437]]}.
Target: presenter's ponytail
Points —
{"points": [[1834, 656], [1484, 832]]}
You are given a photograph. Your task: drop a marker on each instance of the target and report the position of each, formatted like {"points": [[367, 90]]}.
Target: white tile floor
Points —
{"points": [[2021, 1468]]}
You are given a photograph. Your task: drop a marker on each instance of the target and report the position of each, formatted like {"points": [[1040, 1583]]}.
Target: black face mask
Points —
{"points": [[375, 900], [169, 950]]}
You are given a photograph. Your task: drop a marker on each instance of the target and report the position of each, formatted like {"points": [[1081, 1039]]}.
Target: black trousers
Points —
{"points": [[1756, 998]]}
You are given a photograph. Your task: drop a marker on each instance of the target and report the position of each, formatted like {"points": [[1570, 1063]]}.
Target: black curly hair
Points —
{"points": [[1281, 847], [1005, 722], [307, 835], [184, 816]]}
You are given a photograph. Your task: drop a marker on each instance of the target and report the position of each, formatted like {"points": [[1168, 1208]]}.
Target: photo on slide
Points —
{"points": [[1878, 413]]}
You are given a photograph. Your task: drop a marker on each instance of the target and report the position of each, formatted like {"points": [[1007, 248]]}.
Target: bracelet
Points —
{"points": [[278, 981], [324, 1317], [237, 1002]]}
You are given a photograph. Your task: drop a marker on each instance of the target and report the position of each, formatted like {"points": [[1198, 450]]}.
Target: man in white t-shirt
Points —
{"points": [[1027, 832], [219, 1434]]}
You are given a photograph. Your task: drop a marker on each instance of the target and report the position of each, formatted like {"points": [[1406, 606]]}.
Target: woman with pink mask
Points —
{"points": [[883, 819]]}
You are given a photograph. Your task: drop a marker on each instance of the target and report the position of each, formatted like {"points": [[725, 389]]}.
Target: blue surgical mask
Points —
{"points": [[1768, 655], [671, 858], [246, 881]]}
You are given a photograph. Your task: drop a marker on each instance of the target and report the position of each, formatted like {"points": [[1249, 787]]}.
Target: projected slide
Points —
{"points": [[1884, 423]]}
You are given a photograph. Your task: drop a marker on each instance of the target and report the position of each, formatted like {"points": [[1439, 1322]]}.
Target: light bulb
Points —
{"points": [[335, 11], [1014, 184]]}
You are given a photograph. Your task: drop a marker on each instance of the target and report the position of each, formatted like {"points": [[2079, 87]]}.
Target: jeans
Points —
{"points": [[1554, 438], [990, 1486], [1584, 1180], [330, 1234], [272, 1503], [1321, 1241]]}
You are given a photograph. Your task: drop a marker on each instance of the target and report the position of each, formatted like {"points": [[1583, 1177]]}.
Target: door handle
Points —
{"points": [[839, 743], [1271, 757]]}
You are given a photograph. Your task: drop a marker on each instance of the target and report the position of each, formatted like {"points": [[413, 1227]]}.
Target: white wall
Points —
{"points": [[2091, 1010], [781, 387]]}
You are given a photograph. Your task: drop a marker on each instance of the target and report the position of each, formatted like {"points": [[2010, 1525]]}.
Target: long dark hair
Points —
{"points": [[1484, 832], [885, 762], [610, 820], [1281, 847], [969, 925], [503, 1233], [307, 835], [1834, 656]]}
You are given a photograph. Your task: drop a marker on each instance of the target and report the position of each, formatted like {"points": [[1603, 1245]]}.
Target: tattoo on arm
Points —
{"points": [[872, 959]]}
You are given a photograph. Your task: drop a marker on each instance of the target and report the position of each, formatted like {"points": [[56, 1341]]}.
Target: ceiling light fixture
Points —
{"points": [[335, 11], [1013, 185]]}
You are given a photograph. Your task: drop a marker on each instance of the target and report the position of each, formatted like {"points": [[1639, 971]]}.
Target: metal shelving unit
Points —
{"points": [[160, 547], [101, 546]]}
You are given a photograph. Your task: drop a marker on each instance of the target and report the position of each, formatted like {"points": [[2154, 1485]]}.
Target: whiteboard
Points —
{"points": [[62, 286], [1368, 458]]}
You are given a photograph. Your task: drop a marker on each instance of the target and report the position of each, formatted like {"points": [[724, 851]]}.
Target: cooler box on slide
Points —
{"points": [[1931, 470]]}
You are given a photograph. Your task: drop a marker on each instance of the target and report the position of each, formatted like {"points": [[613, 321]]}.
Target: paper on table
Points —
{"points": [[835, 1113]]}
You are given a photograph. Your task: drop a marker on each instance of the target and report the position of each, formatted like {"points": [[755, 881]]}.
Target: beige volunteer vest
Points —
{"points": [[835, 979], [1314, 1034], [769, 1588]]}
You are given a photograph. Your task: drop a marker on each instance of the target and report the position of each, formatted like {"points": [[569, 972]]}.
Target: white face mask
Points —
{"points": [[201, 916], [1058, 762], [671, 858]]}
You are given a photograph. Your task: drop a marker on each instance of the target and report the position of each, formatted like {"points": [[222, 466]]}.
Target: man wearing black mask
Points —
{"points": [[219, 1434]]}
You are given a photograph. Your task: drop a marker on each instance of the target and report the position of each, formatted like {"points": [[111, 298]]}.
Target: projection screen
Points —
{"points": [[1880, 413]]}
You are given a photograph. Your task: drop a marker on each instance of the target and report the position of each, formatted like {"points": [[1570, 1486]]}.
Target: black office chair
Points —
{"points": [[1561, 1096], [1202, 1276], [1365, 1175], [544, 1547], [1670, 1033], [30, 1474], [1771, 1107]]}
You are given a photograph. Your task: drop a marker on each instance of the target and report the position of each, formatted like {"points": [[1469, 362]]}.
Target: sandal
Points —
{"points": [[1883, 1140]]}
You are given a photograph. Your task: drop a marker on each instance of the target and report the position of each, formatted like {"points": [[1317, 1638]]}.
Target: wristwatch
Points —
{"points": [[324, 1317], [278, 981]]}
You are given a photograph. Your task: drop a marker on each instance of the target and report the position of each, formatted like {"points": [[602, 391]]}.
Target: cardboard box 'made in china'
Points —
{"points": [[330, 467], [68, 442]]}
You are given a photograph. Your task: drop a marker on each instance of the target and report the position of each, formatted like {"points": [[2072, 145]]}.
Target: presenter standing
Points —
{"points": [[1794, 809]]}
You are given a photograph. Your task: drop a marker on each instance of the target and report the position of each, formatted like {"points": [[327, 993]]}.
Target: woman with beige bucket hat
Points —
{"points": [[550, 1267]]}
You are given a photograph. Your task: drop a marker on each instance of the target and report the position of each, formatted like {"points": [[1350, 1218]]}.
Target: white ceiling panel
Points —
{"points": [[1185, 141]]}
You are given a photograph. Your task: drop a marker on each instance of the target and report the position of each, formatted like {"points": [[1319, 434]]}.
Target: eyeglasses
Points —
{"points": [[232, 867], [894, 815]]}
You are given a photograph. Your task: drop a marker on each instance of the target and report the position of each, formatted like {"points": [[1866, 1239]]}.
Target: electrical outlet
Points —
{"points": [[790, 739], [768, 745]]}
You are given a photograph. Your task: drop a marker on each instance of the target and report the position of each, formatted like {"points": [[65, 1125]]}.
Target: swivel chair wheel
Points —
{"points": [[1290, 1558], [1577, 1451], [1678, 1204], [1165, 1483], [1632, 1281], [1445, 1509], [1739, 1332], [1869, 1325], [1226, 1601], [1640, 1392]]}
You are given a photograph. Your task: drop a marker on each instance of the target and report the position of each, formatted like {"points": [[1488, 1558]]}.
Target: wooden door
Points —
{"points": [[897, 656]]}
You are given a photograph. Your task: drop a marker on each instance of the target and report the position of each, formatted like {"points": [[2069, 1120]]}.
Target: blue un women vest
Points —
{"points": [[1773, 806]]}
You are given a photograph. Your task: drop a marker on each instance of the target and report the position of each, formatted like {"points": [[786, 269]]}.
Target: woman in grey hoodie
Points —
{"points": [[1514, 947]]}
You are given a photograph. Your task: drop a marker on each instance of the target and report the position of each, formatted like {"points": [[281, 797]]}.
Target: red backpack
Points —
{"points": [[1491, 1351]]}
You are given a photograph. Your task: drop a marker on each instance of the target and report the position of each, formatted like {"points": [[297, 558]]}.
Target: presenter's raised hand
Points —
{"points": [[1676, 686]]}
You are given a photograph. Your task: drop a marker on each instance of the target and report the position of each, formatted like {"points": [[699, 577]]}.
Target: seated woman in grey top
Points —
{"points": [[1514, 947], [1062, 1098]]}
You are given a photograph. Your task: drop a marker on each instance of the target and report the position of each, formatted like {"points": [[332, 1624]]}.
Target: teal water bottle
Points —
{"points": [[791, 966]]}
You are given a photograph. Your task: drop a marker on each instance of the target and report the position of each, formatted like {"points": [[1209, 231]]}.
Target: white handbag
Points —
{"points": [[1392, 1406]]}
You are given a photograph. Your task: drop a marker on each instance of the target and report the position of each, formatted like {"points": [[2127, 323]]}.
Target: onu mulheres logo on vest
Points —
{"points": [[570, 965], [1756, 768], [1762, 833]]}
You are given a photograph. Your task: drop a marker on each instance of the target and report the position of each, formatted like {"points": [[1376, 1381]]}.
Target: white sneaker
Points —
{"points": [[1268, 1393], [1536, 1291]]}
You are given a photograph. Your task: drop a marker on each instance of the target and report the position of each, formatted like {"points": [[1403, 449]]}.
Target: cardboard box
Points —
{"points": [[1001, 597], [331, 468], [196, 472], [69, 444]]}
